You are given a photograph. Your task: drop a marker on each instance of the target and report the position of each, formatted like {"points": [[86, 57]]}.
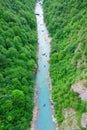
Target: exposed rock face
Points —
{"points": [[84, 120], [70, 122], [80, 89]]}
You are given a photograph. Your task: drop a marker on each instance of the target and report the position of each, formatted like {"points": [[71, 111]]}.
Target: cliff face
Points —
{"points": [[67, 24], [18, 41]]}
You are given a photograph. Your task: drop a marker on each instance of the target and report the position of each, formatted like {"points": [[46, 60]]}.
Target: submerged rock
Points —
{"points": [[37, 14], [44, 105]]}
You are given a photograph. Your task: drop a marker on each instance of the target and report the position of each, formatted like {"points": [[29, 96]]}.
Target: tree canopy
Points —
{"points": [[67, 24], [18, 44]]}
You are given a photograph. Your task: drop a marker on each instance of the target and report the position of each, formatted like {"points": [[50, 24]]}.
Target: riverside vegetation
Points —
{"points": [[67, 23], [18, 40]]}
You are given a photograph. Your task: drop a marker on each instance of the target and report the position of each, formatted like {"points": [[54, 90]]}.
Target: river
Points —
{"points": [[44, 120]]}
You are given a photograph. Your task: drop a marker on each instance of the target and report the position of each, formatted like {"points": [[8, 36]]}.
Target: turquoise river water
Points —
{"points": [[44, 119]]}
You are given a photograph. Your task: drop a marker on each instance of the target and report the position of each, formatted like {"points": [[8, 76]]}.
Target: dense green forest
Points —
{"points": [[67, 23], [18, 44]]}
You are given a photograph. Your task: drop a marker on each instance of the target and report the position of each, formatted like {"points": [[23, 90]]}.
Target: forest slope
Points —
{"points": [[67, 24], [17, 63]]}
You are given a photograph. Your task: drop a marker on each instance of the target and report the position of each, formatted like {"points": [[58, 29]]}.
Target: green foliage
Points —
{"points": [[17, 98], [67, 24], [18, 45]]}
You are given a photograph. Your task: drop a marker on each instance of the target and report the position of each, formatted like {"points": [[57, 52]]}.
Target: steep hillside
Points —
{"points": [[17, 63], [67, 24]]}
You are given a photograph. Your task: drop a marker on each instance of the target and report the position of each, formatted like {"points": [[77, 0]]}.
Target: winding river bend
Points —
{"points": [[44, 119]]}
